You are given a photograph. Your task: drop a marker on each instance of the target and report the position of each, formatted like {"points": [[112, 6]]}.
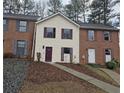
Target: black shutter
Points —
{"points": [[54, 32], [71, 36], [71, 54], [17, 25], [62, 34], [45, 29], [62, 54], [27, 26]]}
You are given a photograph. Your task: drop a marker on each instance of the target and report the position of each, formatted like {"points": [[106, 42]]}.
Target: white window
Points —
{"points": [[91, 35], [22, 26], [21, 48], [5, 25], [4, 21], [106, 35]]}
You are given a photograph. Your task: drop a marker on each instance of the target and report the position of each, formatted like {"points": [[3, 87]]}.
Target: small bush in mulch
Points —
{"points": [[113, 64], [96, 65]]}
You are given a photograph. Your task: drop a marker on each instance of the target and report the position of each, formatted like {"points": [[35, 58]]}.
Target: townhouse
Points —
{"points": [[98, 43], [59, 39], [18, 33]]}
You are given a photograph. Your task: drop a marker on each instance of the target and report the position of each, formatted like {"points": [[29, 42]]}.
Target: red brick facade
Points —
{"points": [[12, 35], [99, 44]]}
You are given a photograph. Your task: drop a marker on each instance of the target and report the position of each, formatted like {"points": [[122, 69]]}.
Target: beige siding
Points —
{"points": [[57, 43]]}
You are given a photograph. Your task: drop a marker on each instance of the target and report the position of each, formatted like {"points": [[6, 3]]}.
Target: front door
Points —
{"points": [[48, 55], [91, 55]]}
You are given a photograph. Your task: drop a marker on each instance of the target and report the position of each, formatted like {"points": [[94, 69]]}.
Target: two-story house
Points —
{"points": [[59, 39], [18, 35], [98, 43]]}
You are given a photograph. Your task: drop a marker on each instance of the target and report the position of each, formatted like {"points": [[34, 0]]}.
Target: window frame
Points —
{"points": [[64, 36], [46, 32], [17, 47], [70, 49], [22, 26], [109, 35], [89, 35]]}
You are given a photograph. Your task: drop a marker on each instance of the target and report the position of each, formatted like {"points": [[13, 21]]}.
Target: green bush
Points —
{"points": [[111, 64], [94, 65]]}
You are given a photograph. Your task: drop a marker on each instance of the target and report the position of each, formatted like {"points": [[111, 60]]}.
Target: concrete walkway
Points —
{"points": [[104, 86], [112, 74]]}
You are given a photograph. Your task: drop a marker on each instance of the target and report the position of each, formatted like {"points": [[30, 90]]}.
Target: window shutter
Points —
{"points": [[27, 26], [17, 25], [45, 31], [71, 34], [62, 54], [14, 46], [71, 54], [7, 22], [26, 48], [62, 33], [54, 32]]}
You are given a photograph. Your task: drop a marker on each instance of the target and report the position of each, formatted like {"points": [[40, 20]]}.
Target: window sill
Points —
{"points": [[66, 39]]}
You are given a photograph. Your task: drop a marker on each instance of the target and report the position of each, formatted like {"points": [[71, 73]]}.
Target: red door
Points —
{"points": [[48, 56]]}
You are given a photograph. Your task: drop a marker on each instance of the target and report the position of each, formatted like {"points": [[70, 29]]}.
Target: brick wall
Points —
{"points": [[99, 44], [12, 35]]}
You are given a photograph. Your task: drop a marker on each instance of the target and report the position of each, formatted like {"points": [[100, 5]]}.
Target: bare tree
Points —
{"points": [[11, 6], [27, 7], [54, 6], [76, 8], [40, 8]]}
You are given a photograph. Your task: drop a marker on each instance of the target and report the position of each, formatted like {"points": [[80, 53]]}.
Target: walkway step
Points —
{"points": [[105, 86], [112, 74]]}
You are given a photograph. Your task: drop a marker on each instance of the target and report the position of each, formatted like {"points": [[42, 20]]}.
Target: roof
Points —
{"points": [[97, 26], [51, 16], [20, 16]]}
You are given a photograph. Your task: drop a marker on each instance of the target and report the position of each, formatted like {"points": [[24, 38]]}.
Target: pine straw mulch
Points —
{"points": [[86, 70], [42, 73]]}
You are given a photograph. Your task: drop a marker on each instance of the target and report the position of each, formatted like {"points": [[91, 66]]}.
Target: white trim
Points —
{"points": [[56, 15]]}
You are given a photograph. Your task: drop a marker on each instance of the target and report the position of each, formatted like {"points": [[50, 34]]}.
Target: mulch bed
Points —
{"points": [[117, 70], [87, 71], [41, 73]]}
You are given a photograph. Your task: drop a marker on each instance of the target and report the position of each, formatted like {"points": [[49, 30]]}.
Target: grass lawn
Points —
{"points": [[44, 78]]}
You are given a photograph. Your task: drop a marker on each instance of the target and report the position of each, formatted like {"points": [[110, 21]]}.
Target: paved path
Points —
{"points": [[105, 86], [112, 74]]}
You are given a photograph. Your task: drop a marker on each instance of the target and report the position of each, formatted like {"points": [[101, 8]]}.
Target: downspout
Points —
{"points": [[34, 38]]}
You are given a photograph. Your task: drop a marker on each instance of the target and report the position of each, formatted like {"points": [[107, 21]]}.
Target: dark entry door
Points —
{"points": [[48, 56]]}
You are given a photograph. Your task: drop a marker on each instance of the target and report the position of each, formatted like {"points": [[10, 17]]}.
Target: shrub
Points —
{"points": [[94, 65], [111, 64], [38, 56]]}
